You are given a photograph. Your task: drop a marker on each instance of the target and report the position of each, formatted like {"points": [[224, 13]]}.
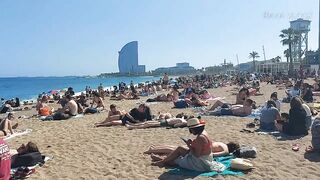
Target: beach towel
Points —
{"points": [[49, 118], [224, 160], [215, 98], [21, 133]]}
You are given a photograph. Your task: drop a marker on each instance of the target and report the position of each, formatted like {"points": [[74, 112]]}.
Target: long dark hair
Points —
{"points": [[296, 103]]}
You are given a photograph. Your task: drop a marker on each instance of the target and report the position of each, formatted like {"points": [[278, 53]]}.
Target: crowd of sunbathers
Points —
{"points": [[187, 92]]}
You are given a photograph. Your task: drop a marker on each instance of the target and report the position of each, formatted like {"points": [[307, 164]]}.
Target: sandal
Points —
{"points": [[295, 147], [309, 149]]}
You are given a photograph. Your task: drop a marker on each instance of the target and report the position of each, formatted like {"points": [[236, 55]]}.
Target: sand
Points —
{"points": [[81, 151]]}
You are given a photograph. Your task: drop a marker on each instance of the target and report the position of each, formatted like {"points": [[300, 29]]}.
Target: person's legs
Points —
{"points": [[169, 160], [216, 104], [162, 149], [144, 125], [111, 123]]}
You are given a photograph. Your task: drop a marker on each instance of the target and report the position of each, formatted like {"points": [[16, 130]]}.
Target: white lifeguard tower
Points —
{"points": [[302, 27]]}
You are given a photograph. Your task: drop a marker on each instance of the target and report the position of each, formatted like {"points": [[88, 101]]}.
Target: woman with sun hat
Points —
{"points": [[198, 155]]}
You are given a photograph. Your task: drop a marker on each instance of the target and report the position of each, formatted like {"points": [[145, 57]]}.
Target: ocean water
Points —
{"points": [[29, 87]]}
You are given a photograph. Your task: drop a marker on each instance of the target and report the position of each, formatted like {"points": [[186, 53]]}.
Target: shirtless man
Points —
{"points": [[233, 110], [172, 122], [71, 107]]}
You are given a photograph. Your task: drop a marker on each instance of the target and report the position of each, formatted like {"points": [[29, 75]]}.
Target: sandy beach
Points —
{"points": [[82, 151]]}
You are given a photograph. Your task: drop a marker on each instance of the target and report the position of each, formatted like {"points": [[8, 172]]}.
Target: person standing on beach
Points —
{"points": [[165, 79], [5, 160], [101, 91]]}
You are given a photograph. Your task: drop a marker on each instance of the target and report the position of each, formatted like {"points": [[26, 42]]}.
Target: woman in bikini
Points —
{"points": [[198, 156]]}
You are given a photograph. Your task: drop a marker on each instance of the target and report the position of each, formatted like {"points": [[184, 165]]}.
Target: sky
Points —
{"points": [[83, 37]]}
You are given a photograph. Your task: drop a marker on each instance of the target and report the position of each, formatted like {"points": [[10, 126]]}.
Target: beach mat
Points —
{"points": [[27, 131], [224, 160]]}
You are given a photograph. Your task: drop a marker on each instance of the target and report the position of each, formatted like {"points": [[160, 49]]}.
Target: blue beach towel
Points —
{"points": [[224, 160]]}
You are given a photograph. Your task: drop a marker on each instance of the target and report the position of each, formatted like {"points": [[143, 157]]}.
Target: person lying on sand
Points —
{"points": [[198, 156], [241, 96], [163, 121], [6, 125], [232, 110], [27, 155], [136, 115], [218, 149]]}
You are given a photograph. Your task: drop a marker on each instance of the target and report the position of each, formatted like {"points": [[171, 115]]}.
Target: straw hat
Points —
{"points": [[195, 122]]}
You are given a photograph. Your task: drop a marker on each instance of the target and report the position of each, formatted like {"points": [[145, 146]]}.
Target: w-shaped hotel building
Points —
{"points": [[128, 59]]}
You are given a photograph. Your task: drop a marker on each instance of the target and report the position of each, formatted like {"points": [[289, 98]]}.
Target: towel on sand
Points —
{"points": [[224, 160], [27, 131]]}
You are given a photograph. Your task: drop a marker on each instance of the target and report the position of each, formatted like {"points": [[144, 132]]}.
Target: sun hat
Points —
{"points": [[195, 122]]}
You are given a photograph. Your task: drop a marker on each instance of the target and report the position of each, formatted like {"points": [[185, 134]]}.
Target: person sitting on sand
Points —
{"points": [[293, 92], [269, 115], [274, 97], [6, 108], [27, 155], [315, 141], [307, 94], [175, 93], [242, 95], [218, 149], [69, 110], [296, 124], [198, 156], [113, 115], [7, 126], [233, 110], [99, 104], [136, 115], [43, 108]]}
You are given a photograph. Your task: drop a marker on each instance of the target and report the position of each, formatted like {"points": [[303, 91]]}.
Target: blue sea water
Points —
{"points": [[29, 87]]}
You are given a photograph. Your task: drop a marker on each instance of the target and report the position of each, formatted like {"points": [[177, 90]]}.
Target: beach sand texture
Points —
{"points": [[81, 151]]}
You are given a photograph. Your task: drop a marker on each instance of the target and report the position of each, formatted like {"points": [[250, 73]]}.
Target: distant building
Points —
{"points": [[180, 68], [128, 59]]}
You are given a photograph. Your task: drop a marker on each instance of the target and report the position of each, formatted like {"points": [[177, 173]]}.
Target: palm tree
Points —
{"points": [[254, 55], [289, 37], [286, 54]]}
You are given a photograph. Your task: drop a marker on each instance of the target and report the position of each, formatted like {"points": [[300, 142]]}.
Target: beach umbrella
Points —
{"points": [[53, 92]]}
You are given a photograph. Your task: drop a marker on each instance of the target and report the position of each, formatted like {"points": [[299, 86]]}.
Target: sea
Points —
{"points": [[28, 88]]}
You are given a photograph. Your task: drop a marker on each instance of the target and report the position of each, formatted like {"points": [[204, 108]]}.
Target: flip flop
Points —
{"points": [[295, 147], [309, 149]]}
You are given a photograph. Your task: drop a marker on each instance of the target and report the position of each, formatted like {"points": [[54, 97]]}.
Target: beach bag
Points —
{"points": [[245, 152], [241, 164], [181, 104]]}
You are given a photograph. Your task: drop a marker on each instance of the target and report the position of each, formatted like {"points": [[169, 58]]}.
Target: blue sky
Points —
{"points": [[83, 37]]}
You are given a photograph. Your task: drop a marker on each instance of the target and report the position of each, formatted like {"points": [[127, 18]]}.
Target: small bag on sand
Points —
{"points": [[241, 164], [245, 152]]}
